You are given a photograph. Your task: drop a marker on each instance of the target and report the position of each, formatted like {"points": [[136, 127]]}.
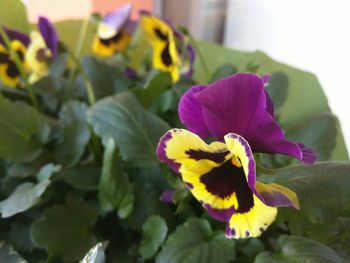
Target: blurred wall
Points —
{"points": [[312, 35], [58, 10]]}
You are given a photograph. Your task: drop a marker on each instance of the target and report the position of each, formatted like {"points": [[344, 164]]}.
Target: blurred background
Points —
{"points": [[310, 35]]}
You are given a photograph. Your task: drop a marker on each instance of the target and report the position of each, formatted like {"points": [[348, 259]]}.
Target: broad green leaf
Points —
{"points": [[223, 72], [194, 241], [322, 190], [64, 228], [305, 95], [292, 249], [147, 204], [154, 234], [22, 131], [69, 32], [9, 255], [115, 189], [106, 79], [83, 177], [27, 194], [72, 145], [19, 236], [135, 130], [73, 111], [58, 66], [154, 87], [95, 255], [318, 133], [277, 88], [19, 21], [335, 235]]}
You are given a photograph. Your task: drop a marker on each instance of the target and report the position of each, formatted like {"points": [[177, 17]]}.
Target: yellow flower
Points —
{"points": [[161, 37], [9, 73]]}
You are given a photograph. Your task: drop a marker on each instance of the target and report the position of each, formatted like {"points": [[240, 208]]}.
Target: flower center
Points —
{"points": [[227, 179]]}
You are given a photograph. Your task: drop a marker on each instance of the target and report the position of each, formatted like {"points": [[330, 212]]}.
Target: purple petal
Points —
{"points": [[190, 112], [276, 195], [192, 56], [117, 19], [238, 104], [162, 154], [167, 196], [223, 215], [12, 34], [49, 34]]}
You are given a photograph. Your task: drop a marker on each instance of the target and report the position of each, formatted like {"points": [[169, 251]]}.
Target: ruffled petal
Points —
{"points": [[16, 35], [49, 34], [277, 195], [252, 223], [180, 147], [190, 112], [113, 22], [238, 104]]}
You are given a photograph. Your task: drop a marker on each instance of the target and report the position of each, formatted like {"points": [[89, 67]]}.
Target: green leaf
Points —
{"points": [[277, 88], [223, 72], [293, 249], [155, 86], [22, 131], [305, 95], [84, 177], [19, 21], [58, 66], [69, 31], [95, 255], [19, 236], [27, 194], [154, 234], [135, 130], [73, 111], [115, 189], [194, 241], [106, 79], [9, 255], [322, 190], [318, 133], [71, 147], [64, 228]]}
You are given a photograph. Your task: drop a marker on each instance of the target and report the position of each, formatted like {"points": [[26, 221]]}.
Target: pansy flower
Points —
{"points": [[114, 32], [9, 73], [171, 52], [239, 104], [42, 49], [221, 175]]}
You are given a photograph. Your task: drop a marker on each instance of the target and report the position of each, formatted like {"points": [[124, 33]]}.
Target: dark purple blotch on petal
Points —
{"points": [[49, 34]]}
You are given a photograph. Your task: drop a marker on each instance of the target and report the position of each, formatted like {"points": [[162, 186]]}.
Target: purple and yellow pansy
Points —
{"points": [[9, 73], [42, 49], [171, 52], [222, 175], [35, 53], [113, 33]]}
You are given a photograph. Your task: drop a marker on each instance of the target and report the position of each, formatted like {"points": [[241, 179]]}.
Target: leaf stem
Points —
{"points": [[76, 57], [20, 68]]}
